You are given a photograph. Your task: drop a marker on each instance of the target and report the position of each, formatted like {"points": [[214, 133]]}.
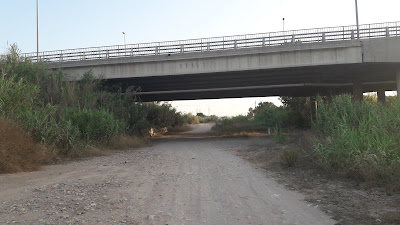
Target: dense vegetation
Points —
{"points": [[267, 115], [361, 139], [200, 118], [44, 115], [65, 116]]}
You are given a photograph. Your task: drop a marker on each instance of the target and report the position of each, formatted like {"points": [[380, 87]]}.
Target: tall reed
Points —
{"points": [[360, 138]]}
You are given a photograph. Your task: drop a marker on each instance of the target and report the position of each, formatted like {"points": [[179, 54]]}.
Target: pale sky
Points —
{"points": [[65, 24]]}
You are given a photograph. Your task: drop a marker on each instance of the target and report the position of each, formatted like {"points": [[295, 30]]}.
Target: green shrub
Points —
{"points": [[278, 135], [271, 117], [265, 115], [208, 119], [16, 97], [360, 138], [235, 119], [191, 119], [94, 125], [289, 158], [68, 138], [300, 109], [66, 114], [238, 124]]}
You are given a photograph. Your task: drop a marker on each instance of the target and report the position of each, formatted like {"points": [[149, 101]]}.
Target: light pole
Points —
{"points": [[124, 41], [37, 30], [358, 26], [283, 23]]}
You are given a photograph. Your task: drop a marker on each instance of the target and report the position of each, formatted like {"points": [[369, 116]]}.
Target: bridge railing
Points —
{"points": [[328, 34]]}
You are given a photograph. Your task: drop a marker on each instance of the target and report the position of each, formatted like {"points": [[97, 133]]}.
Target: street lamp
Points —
{"points": [[37, 30], [358, 27], [124, 41], [283, 23]]}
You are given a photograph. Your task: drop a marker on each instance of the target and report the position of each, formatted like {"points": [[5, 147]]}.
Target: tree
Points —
{"points": [[262, 105], [301, 107], [200, 115]]}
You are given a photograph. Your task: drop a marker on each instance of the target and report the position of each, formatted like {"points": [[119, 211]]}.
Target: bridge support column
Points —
{"points": [[357, 91], [398, 83], [313, 108], [381, 96]]}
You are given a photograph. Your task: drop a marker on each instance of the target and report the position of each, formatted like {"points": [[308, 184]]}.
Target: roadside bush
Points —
{"points": [[16, 97], [300, 110], [363, 138], [19, 101], [265, 115], [209, 119], [67, 138], [93, 125], [67, 115], [271, 117], [238, 124], [191, 119], [84, 93], [278, 135], [235, 119], [289, 158], [160, 115]]}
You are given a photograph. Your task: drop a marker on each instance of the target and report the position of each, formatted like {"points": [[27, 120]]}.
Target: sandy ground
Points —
{"points": [[176, 181], [348, 201]]}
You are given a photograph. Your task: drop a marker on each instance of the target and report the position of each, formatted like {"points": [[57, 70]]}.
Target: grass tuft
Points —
{"points": [[289, 158]]}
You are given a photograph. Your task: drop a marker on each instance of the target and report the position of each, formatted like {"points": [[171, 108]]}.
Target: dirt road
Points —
{"points": [[177, 181]]}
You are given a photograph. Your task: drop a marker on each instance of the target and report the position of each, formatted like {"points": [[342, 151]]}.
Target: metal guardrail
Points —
{"points": [[328, 34]]}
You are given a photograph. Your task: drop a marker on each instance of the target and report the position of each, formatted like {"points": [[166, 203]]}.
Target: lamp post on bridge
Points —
{"points": [[283, 24], [358, 27], [124, 41], [37, 30]]}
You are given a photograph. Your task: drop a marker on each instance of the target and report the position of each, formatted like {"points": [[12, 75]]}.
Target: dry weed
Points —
{"points": [[289, 158], [18, 151]]}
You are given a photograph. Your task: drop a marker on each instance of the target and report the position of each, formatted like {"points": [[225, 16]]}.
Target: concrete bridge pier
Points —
{"points": [[398, 83], [381, 95], [357, 91], [313, 108]]}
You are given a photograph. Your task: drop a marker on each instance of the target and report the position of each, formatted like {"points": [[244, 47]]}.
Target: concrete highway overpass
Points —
{"points": [[292, 63]]}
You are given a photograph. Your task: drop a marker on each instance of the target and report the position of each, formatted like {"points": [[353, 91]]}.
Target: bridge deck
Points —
{"points": [[292, 63], [327, 34]]}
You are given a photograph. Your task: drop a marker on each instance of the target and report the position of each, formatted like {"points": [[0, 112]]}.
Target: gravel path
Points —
{"points": [[180, 181]]}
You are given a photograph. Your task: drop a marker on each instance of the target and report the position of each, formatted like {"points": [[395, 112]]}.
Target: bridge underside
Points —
{"points": [[294, 81]]}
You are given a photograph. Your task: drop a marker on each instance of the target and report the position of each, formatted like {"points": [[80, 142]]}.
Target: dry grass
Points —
{"points": [[18, 151], [93, 152], [289, 158], [376, 171], [117, 143], [239, 128]]}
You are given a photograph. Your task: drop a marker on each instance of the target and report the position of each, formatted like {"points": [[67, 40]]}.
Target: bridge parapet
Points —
{"points": [[328, 34]]}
